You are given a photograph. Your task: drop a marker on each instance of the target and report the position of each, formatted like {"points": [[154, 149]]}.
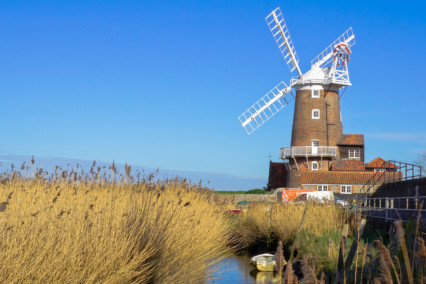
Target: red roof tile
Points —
{"points": [[348, 165], [353, 178], [380, 163], [352, 139]]}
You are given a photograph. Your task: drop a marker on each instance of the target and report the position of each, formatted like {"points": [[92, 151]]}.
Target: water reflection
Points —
{"points": [[237, 269], [265, 277]]}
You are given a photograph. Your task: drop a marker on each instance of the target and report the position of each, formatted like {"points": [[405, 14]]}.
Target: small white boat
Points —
{"points": [[263, 262]]}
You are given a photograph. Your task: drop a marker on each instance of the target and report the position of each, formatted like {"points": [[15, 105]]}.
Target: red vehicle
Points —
{"points": [[235, 211]]}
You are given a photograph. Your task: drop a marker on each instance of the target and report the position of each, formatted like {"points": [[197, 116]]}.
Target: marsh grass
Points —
{"points": [[317, 238], [103, 227]]}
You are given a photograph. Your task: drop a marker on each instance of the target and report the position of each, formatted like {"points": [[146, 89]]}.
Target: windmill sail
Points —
{"points": [[275, 100], [280, 32], [326, 57]]}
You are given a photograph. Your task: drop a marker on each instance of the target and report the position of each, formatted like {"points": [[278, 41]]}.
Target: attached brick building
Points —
{"points": [[344, 171]]}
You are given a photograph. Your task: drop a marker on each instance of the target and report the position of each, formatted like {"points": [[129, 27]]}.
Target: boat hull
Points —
{"points": [[264, 262]]}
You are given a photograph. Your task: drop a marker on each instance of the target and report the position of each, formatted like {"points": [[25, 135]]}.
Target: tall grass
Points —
{"points": [[317, 238], [284, 220], [72, 227]]}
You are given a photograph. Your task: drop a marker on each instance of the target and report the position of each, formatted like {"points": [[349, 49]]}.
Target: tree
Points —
{"points": [[421, 161]]}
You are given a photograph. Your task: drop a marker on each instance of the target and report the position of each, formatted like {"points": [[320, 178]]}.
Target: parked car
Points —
{"points": [[234, 211], [318, 196], [342, 202], [243, 203]]}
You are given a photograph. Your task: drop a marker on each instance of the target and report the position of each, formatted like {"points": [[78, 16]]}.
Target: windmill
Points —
{"points": [[317, 125]]}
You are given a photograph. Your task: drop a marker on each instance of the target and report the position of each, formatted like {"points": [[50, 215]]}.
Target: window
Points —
{"points": [[322, 187], [346, 189], [379, 170], [354, 153], [315, 114], [315, 166], [315, 143], [316, 93]]}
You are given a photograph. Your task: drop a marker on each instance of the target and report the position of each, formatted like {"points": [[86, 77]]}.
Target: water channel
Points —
{"points": [[237, 269]]}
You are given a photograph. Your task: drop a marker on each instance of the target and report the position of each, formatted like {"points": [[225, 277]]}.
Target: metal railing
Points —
{"points": [[308, 151], [406, 170], [391, 171], [302, 81], [394, 208], [339, 76]]}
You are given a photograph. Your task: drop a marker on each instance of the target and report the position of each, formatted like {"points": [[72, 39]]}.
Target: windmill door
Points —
{"points": [[315, 144]]}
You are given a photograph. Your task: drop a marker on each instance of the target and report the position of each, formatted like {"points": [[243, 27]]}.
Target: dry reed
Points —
{"points": [[73, 227], [286, 218]]}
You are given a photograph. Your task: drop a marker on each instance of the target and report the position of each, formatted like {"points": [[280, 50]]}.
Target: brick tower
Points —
{"points": [[317, 128]]}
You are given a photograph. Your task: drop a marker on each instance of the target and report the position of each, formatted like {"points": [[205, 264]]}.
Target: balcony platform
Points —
{"points": [[308, 151]]}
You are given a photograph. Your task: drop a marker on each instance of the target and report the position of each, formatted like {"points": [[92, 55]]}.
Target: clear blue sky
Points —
{"points": [[161, 83]]}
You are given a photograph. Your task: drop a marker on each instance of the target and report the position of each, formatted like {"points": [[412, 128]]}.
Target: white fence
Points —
{"points": [[308, 151]]}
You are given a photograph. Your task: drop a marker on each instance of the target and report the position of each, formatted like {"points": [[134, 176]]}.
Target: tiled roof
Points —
{"points": [[352, 139], [352, 178], [348, 165], [380, 163]]}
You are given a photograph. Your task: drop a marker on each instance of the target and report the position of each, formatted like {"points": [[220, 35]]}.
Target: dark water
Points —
{"points": [[237, 269]]}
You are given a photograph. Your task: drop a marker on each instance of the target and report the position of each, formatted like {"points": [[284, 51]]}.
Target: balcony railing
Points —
{"points": [[308, 151]]}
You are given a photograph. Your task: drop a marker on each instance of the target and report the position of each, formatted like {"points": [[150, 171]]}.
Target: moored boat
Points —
{"points": [[263, 262]]}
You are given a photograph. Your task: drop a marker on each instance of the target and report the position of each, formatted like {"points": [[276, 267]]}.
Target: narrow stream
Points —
{"points": [[237, 269]]}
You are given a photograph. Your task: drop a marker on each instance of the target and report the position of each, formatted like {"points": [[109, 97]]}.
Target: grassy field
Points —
{"points": [[252, 191], [72, 227]]}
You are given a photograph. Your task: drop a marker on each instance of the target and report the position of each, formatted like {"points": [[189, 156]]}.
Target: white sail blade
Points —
{"points": [[275, 100], [326, 57], [280, 32]]}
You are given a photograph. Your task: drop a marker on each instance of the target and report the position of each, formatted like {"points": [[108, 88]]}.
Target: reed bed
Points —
{"points": [[73, 227], [317, 237], [312, 234], [284, 220]]}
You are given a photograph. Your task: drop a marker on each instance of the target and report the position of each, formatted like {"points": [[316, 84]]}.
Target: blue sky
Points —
{"points": [[161, 83]]}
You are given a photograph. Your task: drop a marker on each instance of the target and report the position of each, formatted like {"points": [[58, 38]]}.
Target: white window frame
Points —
{"points": [[313, 112], [324, 187], [316, 93], [346, 189], [316, 168], [354, 154], [315, 141]]}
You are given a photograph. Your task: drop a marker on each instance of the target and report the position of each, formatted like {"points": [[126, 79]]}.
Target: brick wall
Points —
{"points": [[344, 151], [305, 128], [336, 188]]}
